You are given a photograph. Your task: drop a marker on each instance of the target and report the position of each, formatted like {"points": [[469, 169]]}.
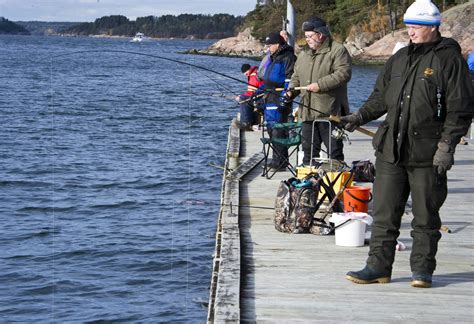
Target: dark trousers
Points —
{"points": [[393, 185], [246, 111], [322, 134]]}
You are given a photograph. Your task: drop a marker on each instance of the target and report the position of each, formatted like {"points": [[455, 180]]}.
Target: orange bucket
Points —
{"points": [[356, 199]]}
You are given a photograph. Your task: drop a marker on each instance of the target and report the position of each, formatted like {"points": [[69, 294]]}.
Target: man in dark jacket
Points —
{"points": [[424, 90], [276, 73]]}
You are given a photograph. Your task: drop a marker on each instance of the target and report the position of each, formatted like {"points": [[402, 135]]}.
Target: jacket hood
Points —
{"points": [[448, 43]]}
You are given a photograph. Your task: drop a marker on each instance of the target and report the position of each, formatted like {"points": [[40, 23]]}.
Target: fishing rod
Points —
{"points": [[252, 98], [363, 130], [290, 89]]}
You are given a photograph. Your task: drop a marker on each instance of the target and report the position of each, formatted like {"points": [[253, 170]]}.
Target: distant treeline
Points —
{"points": [[46, 28], [168, 26], [9, 27]]}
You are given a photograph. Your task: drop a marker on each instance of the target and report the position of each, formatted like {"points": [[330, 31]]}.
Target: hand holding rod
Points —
{"points": [[365, 131]]}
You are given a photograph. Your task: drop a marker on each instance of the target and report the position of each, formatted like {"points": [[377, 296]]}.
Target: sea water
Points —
{"points": [[108, 187]]}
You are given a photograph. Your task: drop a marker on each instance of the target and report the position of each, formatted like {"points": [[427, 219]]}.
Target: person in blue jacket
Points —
{"points": [[276, 74], [470, 61]]}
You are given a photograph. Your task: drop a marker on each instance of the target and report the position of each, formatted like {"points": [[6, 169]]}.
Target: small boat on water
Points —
{"points": [[138, 37]]}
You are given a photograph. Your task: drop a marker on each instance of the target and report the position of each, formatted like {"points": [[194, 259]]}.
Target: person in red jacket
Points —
{"points": [[246, 107]]}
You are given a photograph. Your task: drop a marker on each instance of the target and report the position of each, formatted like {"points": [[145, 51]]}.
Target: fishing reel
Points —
{"points": [[257, 101], [338, 133]]}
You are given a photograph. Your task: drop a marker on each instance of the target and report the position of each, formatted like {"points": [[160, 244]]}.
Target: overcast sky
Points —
{"points": [[89, 10]]}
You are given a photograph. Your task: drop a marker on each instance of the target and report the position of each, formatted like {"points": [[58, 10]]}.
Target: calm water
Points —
{"points": [[108, 197]]}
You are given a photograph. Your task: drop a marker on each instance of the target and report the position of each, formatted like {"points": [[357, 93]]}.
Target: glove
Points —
{"points": [[286, 101], [443, 159], [285, 98], [352, 121]]}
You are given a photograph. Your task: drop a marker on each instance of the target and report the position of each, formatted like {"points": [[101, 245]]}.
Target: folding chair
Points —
{"points": [[329, 197], [291, 141]]}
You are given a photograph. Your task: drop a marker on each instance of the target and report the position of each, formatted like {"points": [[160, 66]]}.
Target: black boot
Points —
{"points": [[421, 279], [368, 275]]}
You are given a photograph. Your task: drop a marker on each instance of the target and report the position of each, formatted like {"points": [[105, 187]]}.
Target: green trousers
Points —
{"points": [[393, 185]]}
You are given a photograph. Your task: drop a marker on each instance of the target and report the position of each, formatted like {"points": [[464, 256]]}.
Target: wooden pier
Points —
{"points": [[262, 275]]}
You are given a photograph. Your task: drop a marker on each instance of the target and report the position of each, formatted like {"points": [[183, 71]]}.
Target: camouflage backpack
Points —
{"points": [[296, 204]]}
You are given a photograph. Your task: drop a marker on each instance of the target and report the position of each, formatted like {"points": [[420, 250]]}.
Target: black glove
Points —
{"points": [[443, 159], [287, 98], [352, 121]]}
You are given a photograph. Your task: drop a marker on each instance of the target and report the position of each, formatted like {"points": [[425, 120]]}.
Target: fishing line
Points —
{"points": [[206, 202], [198, 67], [153, 56], [218, 85], [214, 94], [184, 63]]}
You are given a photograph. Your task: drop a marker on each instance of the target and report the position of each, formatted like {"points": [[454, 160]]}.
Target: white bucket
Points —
{"points": [[352, 233]]}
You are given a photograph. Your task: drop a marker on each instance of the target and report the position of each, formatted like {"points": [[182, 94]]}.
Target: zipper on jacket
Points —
{"points": [[313, 58]]}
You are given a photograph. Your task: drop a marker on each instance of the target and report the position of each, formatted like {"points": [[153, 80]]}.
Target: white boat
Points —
{"points": [[138, 37]]}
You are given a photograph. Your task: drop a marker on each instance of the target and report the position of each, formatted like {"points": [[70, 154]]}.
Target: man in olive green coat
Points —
{"points": [[425, 91], [324, 68]]}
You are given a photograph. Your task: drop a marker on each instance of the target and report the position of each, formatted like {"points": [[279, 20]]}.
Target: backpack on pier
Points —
{"points": [[295, 205]]}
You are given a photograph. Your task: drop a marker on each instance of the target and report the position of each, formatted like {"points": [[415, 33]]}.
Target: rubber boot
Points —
{"points": [[368, 275], [421, 279]]}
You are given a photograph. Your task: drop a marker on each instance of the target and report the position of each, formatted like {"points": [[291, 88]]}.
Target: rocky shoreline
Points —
{"points": [[365, 48], [242, 45]]}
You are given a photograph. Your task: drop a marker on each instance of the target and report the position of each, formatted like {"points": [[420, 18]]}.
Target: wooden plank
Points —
{"points": [[247, 166]]}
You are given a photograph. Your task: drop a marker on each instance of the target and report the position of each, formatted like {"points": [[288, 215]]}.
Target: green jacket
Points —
{"points": [[331, 67], [407, 91]]}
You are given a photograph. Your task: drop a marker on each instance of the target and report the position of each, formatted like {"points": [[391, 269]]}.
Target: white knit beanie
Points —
{"points": [[422, 12]]}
